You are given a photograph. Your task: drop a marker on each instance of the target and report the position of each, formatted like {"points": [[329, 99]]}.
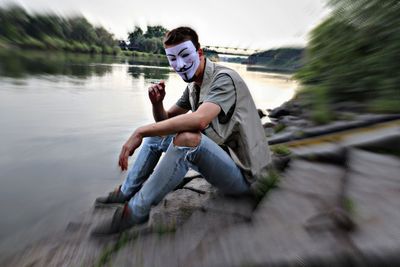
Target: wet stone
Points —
{"points": [[374, 194], [176, 208]]}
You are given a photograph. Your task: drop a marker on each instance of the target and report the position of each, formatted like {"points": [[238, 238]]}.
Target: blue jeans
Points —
{"points": [[149, 182]]}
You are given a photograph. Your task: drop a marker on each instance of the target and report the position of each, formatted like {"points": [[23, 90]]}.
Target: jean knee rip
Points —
{"points": [[192, 153]]}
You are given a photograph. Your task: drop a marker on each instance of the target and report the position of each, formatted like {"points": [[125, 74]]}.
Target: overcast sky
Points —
{"points": [[253, 24]]}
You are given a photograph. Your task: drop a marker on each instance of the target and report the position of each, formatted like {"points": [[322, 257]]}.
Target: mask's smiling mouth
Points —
{"points": [[185, 69]]}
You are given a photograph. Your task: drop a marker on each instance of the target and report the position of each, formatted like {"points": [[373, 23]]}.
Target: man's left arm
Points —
{"points": [[190, 122]]}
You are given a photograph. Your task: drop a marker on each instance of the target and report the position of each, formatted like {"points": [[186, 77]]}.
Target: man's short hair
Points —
{"points": [[180, 35]]}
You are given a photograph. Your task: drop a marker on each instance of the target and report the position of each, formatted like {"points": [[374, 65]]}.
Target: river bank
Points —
{"points": [[329, 202], [78, 49]]}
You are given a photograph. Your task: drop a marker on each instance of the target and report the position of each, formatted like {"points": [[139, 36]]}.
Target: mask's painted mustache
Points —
{"points": [[183, 69]]}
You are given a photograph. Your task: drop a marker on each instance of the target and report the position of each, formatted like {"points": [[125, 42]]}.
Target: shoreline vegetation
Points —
{"points": [[343, 67], [50, 32], [352, 61], [24, 31], [47, 32]]}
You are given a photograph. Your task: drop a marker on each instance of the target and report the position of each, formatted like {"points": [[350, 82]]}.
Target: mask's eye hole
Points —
{"points": [[172, 59], [185, 55]]}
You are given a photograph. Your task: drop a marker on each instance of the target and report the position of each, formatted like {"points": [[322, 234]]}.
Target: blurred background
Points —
{"points": [[74, 78]]}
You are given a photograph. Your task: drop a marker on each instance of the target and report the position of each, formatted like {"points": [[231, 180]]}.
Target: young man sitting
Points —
{"points": [[222, 137]]}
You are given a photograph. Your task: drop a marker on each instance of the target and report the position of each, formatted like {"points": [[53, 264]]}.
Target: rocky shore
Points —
{"points": [[331, 199]]}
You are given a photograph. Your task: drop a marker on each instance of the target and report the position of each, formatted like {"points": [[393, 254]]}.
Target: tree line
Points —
{"points": [[53, 32], [280, 59]]}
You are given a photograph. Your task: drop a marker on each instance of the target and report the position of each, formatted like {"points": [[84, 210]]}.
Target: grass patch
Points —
{"points": [[279, 127], [125, 238], [143, 55], [266, 183], [349, 206], [321, 116], [107, 253], [281, 150], [165, 229]]}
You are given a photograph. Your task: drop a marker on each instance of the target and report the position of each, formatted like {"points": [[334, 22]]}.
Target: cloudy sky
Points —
{"points": [[253, 24]]}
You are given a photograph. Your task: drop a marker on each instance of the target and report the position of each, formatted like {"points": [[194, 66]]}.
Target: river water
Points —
{"points": [[63, 120]]}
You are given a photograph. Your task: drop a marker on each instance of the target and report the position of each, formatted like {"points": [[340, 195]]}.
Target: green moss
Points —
{"points": [[165, 229], [321, 116], [107, 253], [280, 150], [349, 206], [266, 183], [279, 127]]}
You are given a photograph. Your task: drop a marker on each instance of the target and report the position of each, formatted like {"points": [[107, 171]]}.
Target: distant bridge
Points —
{"points": [[230, 50]]}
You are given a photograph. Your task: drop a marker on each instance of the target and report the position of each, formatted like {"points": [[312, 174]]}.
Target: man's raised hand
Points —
{"points": [[157, 92]]}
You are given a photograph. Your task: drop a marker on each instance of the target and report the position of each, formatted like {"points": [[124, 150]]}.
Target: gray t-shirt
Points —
{"points": [[222, 93]]}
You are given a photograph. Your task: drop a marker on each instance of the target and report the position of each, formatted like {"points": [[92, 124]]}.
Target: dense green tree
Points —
{"points": [[155, 31], [13, 22], [136, 39], [354, 55], [150, 41], [137, 33], [81, 30], [45, 25], [104, 38]]}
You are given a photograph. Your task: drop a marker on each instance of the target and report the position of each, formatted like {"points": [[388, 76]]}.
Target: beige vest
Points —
{"points": [[243, 136]]}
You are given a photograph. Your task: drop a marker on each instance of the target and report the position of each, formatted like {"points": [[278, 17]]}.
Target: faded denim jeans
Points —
{"points": [[149, 182]]}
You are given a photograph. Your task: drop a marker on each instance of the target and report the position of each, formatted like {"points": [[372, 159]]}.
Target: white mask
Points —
{"points": [[184, 59]]}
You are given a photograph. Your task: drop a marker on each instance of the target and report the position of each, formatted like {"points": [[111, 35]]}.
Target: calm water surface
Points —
{"points": [[63, 120]]}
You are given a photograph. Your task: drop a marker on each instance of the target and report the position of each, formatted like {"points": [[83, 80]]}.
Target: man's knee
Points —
{"points": [[190, 139]]}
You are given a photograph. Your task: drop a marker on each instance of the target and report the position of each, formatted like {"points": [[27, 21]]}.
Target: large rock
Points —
{"points": [[281, 232], [178, 205], [72, 247], [205, 216], [288, 108], [374, 192]]}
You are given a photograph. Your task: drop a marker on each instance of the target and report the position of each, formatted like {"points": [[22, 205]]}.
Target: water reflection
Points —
{"points": [[149, 73], [21, 65], [153, 61]]}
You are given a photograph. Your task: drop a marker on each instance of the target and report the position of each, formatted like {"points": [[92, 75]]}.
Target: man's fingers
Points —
{"points": [[157, 90], [151, 90], [123, 163], [123, 159], [126, 156]]}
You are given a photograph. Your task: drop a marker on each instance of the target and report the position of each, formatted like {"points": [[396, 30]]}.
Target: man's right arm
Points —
{"points": [[160, 114]]}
